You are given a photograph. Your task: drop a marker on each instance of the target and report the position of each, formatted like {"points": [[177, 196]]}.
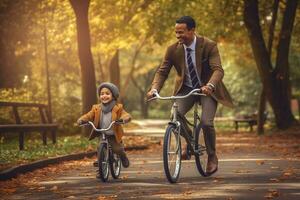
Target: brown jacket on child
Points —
{"points": [[117, 112]]}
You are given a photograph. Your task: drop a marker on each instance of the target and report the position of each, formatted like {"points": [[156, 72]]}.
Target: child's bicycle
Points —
{"points": [[172, 140], [106, 158]]}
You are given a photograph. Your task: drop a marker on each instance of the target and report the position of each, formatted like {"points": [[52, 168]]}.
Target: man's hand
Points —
{"points": [[207, 90], [151, 93]]}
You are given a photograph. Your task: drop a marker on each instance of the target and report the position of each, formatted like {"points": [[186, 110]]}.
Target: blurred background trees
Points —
{"points": [[127, 43]]}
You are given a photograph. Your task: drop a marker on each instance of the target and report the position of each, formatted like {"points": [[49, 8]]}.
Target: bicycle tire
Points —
{"points": [[103, 162], [170, 135], [114, 164], [200, 147]]}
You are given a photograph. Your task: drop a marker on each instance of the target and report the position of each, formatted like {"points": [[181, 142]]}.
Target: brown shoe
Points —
{"points": [[125, 161], [212, 165]]}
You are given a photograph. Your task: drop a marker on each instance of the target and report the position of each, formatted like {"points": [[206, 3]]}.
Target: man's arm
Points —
{"points": [[214, 61], [215, 65], [162, 72]]}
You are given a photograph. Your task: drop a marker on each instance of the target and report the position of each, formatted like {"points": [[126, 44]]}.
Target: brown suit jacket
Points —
{"points": [[117, 112], [208, 65]]}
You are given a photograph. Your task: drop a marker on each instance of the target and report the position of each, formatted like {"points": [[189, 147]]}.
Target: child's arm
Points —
{"points": [[87, 117], [125, 116]]}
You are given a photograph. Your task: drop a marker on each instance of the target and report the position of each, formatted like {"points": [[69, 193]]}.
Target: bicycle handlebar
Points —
{"points": [[102, 129], [193, 92]]}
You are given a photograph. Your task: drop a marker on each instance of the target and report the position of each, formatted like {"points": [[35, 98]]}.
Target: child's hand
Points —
{"points": [[81, 122], [120, 121]]}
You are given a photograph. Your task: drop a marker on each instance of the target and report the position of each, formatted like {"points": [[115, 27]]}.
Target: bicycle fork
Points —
{"points": [[177, 125], [104, 141]]}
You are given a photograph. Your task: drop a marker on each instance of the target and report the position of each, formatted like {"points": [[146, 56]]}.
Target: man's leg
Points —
{"points": [[184, 105], [209, 107]]}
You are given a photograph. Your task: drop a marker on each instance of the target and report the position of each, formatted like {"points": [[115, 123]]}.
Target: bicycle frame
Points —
{"points": [[109, 159], [175, 120], [172, 153]]}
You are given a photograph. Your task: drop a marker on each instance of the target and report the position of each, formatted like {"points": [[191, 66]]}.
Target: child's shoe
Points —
{"points": [[95, 163], [125, 161]]}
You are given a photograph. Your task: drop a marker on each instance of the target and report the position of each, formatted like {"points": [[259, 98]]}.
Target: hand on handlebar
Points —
{"points": [[151, 94], [206, 90], [81, 122], [120, 121]]}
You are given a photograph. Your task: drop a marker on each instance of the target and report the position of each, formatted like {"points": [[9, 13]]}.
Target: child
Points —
{"points": [[104, 113]]}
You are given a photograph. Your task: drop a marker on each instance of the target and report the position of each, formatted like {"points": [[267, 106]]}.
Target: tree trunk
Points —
{"points": [[48, 86], [261, 112], [262, 101], [114, 69], [144, 105], [89, 97], [275, 82], [101, 69]]}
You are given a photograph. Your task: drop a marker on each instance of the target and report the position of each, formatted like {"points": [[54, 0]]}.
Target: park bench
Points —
{"points": [[251, 120], [45, 125]]}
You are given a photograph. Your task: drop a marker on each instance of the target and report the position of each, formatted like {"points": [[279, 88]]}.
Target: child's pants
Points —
{"points": [[117, 148]]}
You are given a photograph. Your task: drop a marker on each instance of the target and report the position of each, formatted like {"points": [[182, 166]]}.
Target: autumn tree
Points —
{"points": [[89, 98], [275, 79]]}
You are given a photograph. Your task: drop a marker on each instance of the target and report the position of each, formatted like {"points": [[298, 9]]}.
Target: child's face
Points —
{"points": [[105, 95]]}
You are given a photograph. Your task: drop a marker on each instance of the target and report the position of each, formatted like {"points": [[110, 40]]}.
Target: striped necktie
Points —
{"points": [[192, 71]]}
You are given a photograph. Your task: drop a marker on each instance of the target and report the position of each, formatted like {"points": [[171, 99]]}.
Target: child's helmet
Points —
{"points": [[112, 87]]}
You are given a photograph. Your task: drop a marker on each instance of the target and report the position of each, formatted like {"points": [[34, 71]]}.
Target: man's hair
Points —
{"points": [[188, 20]]}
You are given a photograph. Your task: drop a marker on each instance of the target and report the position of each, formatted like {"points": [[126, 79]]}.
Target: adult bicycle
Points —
{"points": [[172, 139]]}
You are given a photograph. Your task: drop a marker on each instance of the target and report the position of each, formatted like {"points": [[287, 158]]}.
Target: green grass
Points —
{"points": [[35, 150]]}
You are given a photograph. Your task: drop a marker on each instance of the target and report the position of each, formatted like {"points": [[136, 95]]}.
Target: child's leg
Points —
{"points": [[118, 148]]}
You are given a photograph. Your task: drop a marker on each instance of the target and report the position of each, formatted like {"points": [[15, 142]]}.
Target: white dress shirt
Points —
{"points": [[188, 81]]}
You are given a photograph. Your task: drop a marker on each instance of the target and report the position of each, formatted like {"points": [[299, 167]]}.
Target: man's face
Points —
{"points": [[184, 35]]}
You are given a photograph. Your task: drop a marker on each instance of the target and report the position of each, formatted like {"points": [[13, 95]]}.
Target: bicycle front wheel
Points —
{"points": [[201, 156], [103, 159], [172, 153], [115, 165]]}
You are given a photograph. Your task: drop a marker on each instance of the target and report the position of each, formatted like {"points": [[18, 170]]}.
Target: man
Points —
{"points": [[197, 62]]}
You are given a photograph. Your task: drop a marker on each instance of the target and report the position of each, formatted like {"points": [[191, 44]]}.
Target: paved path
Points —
{"points": [[240, 177], [247, 170]]}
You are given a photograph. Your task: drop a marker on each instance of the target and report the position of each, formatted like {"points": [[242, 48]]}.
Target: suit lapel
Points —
{"points": [[181, 56], [199, 50]]}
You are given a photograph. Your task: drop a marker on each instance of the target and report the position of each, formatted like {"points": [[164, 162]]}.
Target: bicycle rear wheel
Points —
{"points": [[172, 154], [115, 165], [103, 160], [201, 156]]}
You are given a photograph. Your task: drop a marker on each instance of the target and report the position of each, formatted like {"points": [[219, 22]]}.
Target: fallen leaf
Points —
{"points": [[41, 188], [241, 171], [274, 167], [274, 179], [260, 162], [8, 190], [54, 188], [71, 197], [187, 193], [272, 194]]}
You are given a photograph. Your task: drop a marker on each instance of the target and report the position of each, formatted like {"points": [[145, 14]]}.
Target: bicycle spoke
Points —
{"points": [[171, 156]]}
